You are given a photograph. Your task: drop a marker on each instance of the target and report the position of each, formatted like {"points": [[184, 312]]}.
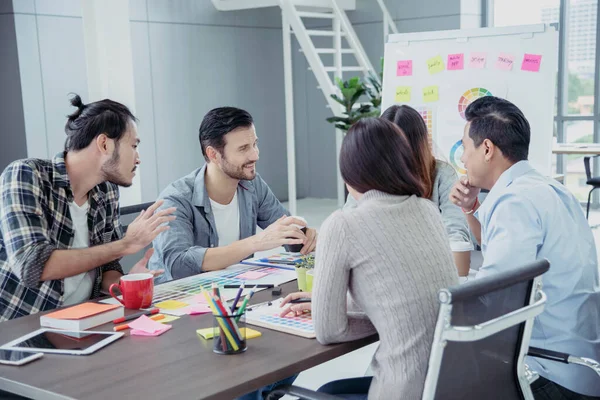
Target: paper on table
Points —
{"points": [[148, 325], [252, 275], [137, 332], [171, 304], [167, 319], [208, 333], [196, 309]]}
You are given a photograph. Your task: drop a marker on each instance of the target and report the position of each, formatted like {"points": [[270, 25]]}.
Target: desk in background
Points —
{"points": [[583, 149], [177, 364]]}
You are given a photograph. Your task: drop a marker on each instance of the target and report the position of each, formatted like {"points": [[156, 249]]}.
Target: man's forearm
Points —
{"points": [[475, 227], [65, 263], [217, 258]]}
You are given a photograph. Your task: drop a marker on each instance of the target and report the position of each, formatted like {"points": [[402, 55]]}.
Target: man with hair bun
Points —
{"points": [[60, 235]]}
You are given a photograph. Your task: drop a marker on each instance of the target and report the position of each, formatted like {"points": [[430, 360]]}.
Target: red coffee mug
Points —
{"points": [[137, 290]]}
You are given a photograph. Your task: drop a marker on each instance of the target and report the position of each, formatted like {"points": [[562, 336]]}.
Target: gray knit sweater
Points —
{"points": [[452, 216], [392, 255]]}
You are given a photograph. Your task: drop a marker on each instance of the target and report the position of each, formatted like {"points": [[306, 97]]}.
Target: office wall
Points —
{"points": [[188, 58]]}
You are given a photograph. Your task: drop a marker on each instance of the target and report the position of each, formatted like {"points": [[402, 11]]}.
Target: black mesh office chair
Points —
{"points": [[594, 181], [481, 339]]}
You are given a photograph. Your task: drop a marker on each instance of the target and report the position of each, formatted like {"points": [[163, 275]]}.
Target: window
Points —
{"points": [[577, 120]]}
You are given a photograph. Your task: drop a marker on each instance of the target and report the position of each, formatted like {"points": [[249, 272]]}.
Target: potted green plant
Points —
{"points": [[304, 272], [351, 92]]}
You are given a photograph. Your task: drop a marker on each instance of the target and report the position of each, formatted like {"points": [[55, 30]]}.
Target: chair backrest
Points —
{"points": [[482, 335]]}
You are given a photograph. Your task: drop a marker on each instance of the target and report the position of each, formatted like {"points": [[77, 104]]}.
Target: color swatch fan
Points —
{"points": [[470, 96], [267, 316]]}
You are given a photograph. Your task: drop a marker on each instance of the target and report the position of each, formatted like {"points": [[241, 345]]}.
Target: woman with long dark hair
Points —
{"points": [[388, 256], [438, 178]]}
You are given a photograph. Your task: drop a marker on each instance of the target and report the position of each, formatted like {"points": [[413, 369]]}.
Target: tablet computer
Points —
{"points": [[57, 341]]}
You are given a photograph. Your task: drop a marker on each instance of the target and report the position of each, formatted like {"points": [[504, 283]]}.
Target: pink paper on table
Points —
{"points": [[196, 309], [252, 275], [505, 61], [137, 332], [477, 60], [531, 62], [199, 299], [404, 68], [456, 62], [148, 326]]}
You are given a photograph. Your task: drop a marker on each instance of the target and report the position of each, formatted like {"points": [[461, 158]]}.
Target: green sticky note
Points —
{"points": [[431, 94], [435, 64], [403, 94]]}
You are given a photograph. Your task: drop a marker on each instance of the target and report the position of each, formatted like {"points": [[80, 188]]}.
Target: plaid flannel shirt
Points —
{"points": [[34, 221]]}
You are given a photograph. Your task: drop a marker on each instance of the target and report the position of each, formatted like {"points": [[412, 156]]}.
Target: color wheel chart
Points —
{"points": [[470, 96], [467, 98], [455, 154]]}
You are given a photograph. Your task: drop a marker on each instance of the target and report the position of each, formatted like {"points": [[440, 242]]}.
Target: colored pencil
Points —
{"points": [[224, 329], [237, 297]]}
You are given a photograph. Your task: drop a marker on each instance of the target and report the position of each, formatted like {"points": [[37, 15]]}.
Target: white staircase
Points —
{"points": [[344, 42]]}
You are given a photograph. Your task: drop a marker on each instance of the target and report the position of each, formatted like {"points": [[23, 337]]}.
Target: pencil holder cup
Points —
{"points": [[229, 333]]}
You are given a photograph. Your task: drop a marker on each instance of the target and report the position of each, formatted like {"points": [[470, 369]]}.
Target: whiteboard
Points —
{"points": [[418, 64]]}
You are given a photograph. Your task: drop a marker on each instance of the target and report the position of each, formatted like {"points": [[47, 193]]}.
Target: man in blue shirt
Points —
{"points": [[220, 205], [525, 217]]}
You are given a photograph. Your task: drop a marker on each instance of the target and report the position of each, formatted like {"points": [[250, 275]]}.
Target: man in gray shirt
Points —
{"points": [[220, 205]]}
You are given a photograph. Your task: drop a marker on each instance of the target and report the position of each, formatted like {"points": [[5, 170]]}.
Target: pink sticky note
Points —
{"points": [[404, 68], [455, 62], [505, 61], [199, 299], [477, 60], [531, 62], [198, 309], [252, 275], [138, 332], [147, 325]]}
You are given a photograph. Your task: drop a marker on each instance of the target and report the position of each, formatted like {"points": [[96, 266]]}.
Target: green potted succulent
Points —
{"points": [[304, 272]]}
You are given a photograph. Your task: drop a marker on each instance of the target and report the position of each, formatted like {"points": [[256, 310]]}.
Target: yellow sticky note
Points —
{"points": [[403, 94], [167, 319], [435, 64], [208, 333], [431, 94], [171, 304]]}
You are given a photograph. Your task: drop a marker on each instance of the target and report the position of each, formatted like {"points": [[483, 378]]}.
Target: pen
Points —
{"points": [[296, 301], [284, 262], [136, 315], [260, 286], [125, 326]]}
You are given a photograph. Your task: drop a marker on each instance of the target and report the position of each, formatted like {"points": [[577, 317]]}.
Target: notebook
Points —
{"points": [[82, 316]]}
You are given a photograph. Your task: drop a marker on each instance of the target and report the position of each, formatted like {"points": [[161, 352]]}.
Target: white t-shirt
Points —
{"points": [[227, 218], [78, 288]]}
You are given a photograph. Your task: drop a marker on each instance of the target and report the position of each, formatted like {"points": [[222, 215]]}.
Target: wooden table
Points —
{"points": [[565, 148], [177, 365]]}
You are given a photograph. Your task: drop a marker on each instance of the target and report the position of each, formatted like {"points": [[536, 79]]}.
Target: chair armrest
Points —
{"points": [[564, 358], [301, 393], [548, 355]]}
